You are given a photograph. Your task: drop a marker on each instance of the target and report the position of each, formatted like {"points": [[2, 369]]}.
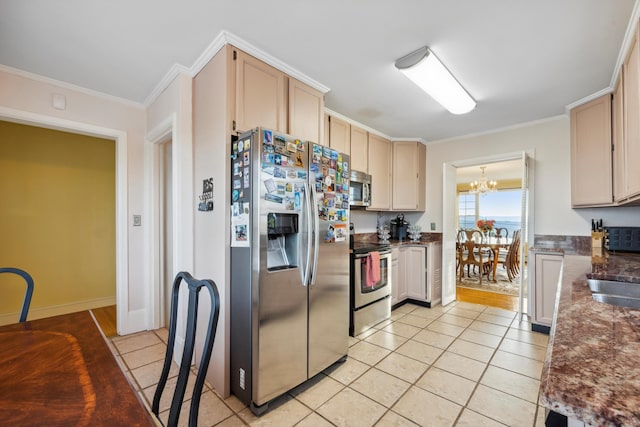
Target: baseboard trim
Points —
{"points": [[540, 328], [55, 310]]}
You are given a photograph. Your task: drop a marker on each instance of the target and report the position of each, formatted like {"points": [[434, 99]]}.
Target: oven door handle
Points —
{"points": [[382, 253]]}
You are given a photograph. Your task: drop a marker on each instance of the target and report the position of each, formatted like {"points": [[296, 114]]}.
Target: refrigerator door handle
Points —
{"points": [[316, 234], [307, 265]]}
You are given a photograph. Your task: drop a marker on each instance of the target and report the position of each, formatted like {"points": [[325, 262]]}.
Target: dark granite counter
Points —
{"points": [[592, 367]]}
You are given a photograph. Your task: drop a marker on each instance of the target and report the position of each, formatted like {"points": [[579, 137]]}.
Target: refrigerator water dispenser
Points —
{"points": [[282, 243]]}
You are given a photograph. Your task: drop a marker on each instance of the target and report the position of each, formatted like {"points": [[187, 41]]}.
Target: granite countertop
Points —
{"points": [[592, 367]]}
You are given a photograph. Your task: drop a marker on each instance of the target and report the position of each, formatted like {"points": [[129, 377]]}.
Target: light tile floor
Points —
{"points": [[463, 364]]}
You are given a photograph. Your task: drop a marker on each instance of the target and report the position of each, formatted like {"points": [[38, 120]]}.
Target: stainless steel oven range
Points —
{"points": [[370, 303]]}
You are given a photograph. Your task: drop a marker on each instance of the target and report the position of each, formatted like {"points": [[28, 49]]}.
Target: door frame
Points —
{"points": [[527, 156], [127, 321]]}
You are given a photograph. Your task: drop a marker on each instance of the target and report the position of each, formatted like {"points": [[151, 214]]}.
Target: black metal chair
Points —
{"points": [[194, 286], [28, 293]]}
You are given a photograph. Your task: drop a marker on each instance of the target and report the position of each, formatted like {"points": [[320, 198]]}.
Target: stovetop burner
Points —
{"points": [[363, 247]]}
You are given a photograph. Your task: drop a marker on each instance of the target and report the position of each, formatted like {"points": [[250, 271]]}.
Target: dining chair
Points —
{"points": [[511, 260], [28, 292], [194, 287], [502, 232], [471, 254]]}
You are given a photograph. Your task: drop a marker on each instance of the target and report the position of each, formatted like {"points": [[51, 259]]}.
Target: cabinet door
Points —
{"points": [[416, 273], [306, 111], [408, 180], [359, 148], [339, 135], [402, 274], [379, 159], [631, 97], [591, 176], [260, 95], [422, 177], [395, 279], [619, 167], [547, 274]]}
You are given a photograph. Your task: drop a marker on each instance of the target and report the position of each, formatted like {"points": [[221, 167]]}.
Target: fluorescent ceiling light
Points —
{"points": [[426, 70]]}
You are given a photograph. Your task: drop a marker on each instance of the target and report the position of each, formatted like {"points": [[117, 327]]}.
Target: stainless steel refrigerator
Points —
{"points": [[289, 263]]}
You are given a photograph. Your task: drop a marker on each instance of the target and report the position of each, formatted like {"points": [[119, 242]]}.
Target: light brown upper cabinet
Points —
{"points": [[617, 128], [591, 174], [339, 135], [379, 158], [359, 149], [306, 106], [260, 94], [631, 102], [409, 160]]}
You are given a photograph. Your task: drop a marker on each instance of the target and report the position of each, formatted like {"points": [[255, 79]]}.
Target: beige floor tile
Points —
{"points": [[523, 349], [396, 315], [234, 403], [391, 419], [286, 412], [496, 320], [402, 367], [535, 338], [470, 418], [144, 356], [386, 322], [148, 375], [470, 306], [500, 312], [417, 321], [445, 328], [524, 324], [380, 386], [405, 308], [460, 365], [421, 352], [510, 382], [482, 338], [488, 328], [317, 390], [386, 340], [429, 313], [463, 312], [434, 338], [353, 340], [402, 329], [163, 334], [366, 333], [368, 353], [347, 371], [520, 364], [427, 409], [471, 350], [232, 421], [313, 420], [167, 394], [351, 409], [137, 342], [452, 319], [211, 411], [447, 385], [541, 416], [502, 407]]}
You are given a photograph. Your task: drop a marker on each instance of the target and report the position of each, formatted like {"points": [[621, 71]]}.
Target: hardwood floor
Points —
{"points": [[106, 317], [492, 299]]}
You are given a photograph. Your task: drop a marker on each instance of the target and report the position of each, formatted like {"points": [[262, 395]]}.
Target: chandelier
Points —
{"points": [[483, 186]]}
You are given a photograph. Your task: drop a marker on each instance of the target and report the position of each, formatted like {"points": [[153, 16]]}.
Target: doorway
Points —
{"points": [[166, 228], [462, 208]]}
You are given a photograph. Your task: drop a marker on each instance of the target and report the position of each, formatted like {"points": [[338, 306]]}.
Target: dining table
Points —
{"points": [[59, 371], [495, 244]]}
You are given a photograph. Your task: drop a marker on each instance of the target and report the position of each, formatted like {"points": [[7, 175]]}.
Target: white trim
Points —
{"points": [[588, 98], [214, 47], [69, 86], [55, 310], [174, 71], [499, 130], [122, 232], [628, 37]]}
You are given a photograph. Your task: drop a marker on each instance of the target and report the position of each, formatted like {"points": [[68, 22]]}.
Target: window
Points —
{"points": [[503, 205]]}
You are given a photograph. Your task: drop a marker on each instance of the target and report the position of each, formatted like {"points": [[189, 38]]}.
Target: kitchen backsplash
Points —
{"points": [[571, 245]]}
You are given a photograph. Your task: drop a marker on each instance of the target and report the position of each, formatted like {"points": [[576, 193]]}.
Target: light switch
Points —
{"points": [[137, 220], [433, 226]]}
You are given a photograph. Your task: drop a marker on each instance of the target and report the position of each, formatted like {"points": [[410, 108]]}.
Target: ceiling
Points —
{"points": [[521, 60], [503, 170]]}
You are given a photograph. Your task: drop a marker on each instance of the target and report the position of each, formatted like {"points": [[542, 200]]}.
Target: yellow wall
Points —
{"points": [[57, 216]]}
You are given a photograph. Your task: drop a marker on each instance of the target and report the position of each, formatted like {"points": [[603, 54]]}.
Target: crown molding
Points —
{"points": [[64, 85], [358, 124], [586, 99], [174, 71]]}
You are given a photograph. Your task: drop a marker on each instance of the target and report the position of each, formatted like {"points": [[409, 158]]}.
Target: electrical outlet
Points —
{"points": [[137, 220], [433, 226]]}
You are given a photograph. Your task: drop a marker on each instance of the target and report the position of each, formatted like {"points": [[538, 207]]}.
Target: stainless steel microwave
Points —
{"points": [[359, 188]]}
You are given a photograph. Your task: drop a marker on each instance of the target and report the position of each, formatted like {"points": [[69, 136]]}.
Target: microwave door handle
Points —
{"points": [[365, 193], [316, 234], [307, 265]]}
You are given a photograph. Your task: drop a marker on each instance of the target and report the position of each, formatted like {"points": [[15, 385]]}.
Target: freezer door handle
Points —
{"points": [[316, 233], [307, 265]]}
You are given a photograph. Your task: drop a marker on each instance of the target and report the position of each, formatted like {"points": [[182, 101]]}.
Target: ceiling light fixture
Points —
{"points": [[483, 186], [426, 70]]}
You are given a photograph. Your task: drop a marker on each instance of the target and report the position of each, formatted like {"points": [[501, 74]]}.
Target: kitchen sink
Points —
{"points": [[617, 300], [622, 294], [610, 287]]}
